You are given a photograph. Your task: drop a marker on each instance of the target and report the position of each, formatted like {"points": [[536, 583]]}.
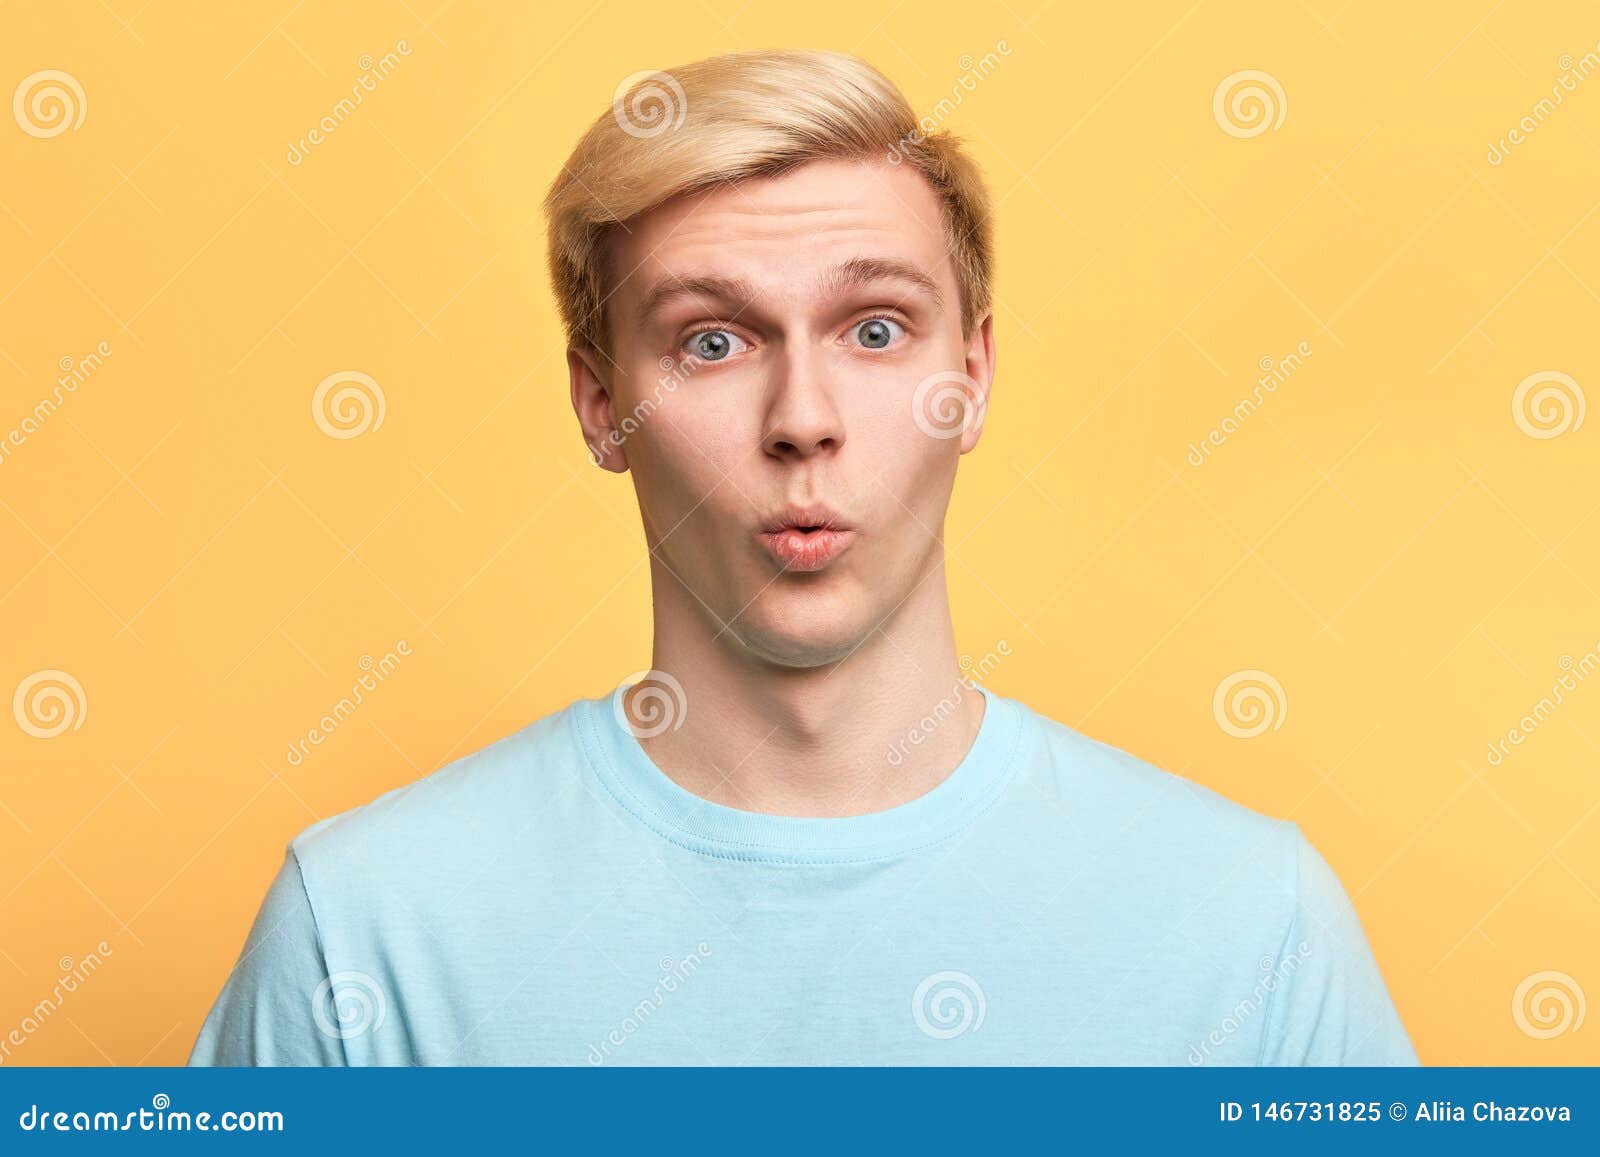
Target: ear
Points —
{"points": [[980, 372], [591, 401]]}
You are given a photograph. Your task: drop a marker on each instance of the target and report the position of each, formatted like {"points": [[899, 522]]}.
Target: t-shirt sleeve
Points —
{"points": [[1332, 1007], [266, 1012]]}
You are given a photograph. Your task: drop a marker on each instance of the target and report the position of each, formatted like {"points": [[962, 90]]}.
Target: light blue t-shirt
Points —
{"points": [[557, 899]]}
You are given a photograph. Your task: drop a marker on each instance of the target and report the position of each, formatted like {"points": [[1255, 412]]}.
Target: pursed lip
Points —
{"points": [[806, 538]]}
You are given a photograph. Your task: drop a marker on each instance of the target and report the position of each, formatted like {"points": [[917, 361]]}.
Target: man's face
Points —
{"points": [[791, 389]]}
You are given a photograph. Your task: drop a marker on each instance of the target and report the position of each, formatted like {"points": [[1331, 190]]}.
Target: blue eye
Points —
{"points": [[877, 332], [712, 345]]}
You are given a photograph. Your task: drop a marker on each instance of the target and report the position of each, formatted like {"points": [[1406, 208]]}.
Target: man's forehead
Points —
{"points": [[906, 279], [799, 226]]}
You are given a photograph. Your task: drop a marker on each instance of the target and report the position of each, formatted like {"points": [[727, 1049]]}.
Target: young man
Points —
{"points": [[806, 835]]}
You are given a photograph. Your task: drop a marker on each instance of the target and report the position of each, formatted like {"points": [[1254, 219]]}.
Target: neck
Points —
{"points": [[844, 738]]}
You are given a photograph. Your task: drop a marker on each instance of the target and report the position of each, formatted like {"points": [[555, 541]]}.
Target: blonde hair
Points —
{"points": [[742, 115]]}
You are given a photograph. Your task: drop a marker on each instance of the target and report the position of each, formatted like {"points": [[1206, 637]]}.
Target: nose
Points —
{"points": [[802, 418]]}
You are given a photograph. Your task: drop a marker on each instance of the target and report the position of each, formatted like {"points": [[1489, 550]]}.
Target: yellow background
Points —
{"points": [[1381, 536]]}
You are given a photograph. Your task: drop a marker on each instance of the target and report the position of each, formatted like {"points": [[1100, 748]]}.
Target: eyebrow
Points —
{"points": [[857, 271]]}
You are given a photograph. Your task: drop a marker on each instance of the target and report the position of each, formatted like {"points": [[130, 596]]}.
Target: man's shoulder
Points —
{"points": [[467, 801], [1118, 797]]}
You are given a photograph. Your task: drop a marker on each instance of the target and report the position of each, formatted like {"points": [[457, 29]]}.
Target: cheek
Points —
{"points": [[935, 475], [706, 436], [917, 470], [678, 461], [706, 431]]}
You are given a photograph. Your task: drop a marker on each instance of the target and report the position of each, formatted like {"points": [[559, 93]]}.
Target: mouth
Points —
{"points": [[806, 538]]}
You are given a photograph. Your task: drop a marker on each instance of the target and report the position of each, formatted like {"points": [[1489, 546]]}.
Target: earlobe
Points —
{"points": [[591, 402], [980, 365]]}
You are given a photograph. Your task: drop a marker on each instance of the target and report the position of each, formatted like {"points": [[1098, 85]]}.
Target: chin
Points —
{"points": [[802, 627]]}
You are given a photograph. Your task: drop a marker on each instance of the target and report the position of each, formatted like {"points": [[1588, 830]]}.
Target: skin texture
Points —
{"points": [[796, 685]]}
